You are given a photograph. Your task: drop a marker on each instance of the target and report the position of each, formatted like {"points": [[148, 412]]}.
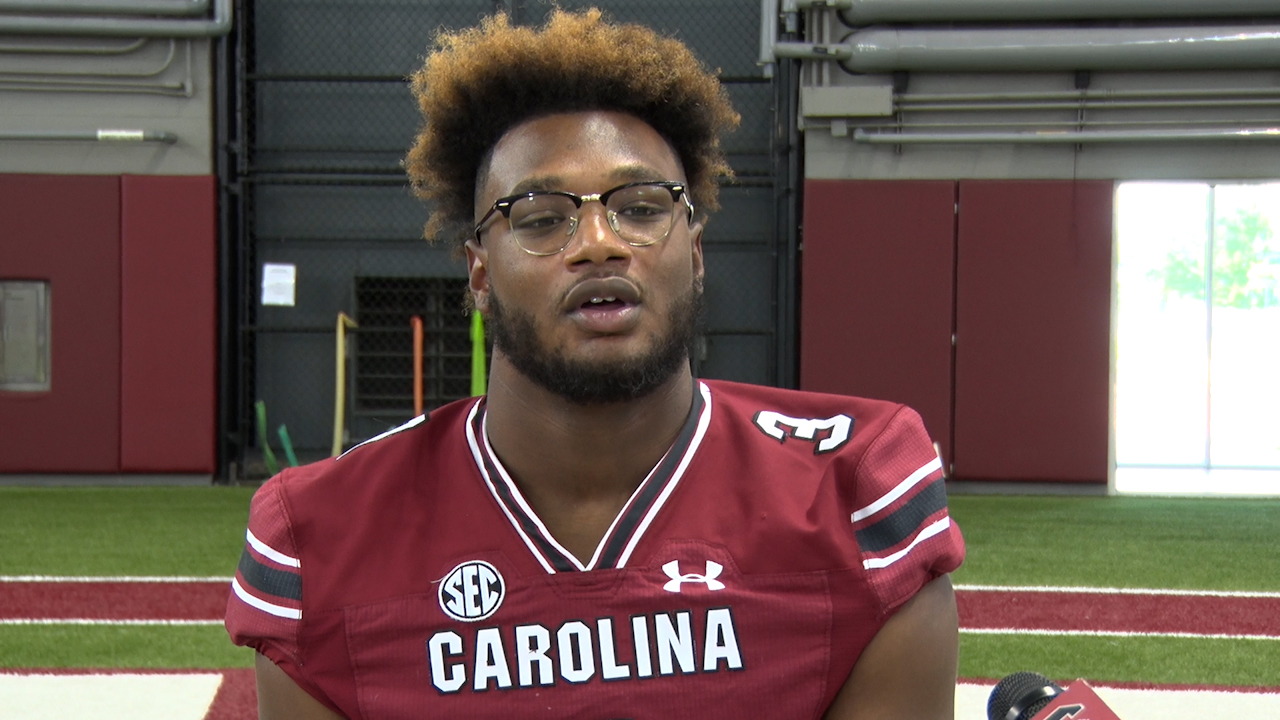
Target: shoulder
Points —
{"points": [[301, 519], [800, 401], [872, 469], [372, 468], [830, 422]]}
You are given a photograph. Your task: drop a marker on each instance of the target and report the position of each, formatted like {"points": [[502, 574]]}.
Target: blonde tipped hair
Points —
{"points": [[479, 83]]}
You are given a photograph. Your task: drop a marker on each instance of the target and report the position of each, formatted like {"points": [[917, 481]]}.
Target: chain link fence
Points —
{"points": [[327, 117]]}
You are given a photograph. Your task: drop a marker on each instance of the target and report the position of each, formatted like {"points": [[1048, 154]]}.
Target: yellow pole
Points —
{"points": [[340, 382], [479, 381]]}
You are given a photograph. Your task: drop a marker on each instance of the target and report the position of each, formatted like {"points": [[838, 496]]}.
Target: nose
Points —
{"points": [[594, 240]]}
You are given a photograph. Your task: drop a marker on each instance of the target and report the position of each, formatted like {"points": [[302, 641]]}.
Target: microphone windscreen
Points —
{"points": [[1024, 693]]}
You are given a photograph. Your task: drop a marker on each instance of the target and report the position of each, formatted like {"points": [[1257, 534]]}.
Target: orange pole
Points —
{"points": [[416, 322]]}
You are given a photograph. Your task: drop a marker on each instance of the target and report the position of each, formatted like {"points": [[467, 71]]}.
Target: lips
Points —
{"points": [[604, 305], [602, 291]]}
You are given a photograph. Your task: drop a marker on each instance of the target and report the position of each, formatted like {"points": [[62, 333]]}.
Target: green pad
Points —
{"points": [[287, 444], [268, 456]]}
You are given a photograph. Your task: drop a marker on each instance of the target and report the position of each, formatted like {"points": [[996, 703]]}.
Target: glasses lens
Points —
{"points": [[543, 223], [642, 214]]}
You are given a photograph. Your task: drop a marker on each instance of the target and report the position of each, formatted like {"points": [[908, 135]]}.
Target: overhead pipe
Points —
{"points": [[166, 90], [768, 35], [871, 12], [812, 51], [1078, 95], [1052, 125], [106, 7], [164, 65], [884, 49], [63, 48], [1070, 138], [79, 81], [218, 25], [1086, 104], [101, 135]]}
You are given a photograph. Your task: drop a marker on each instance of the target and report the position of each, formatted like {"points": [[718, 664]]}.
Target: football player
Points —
{"points": [[603, 535]]}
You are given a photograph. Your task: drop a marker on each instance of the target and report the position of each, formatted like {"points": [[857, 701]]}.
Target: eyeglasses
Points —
{"points": [[543, 221]]}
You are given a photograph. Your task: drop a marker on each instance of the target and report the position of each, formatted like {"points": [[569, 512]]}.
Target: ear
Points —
{"points": [[478, 275], [695, 247]]}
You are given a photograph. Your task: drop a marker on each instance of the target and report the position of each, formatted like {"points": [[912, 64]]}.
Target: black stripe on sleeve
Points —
{"points": [[905, 521], [268, 579]]}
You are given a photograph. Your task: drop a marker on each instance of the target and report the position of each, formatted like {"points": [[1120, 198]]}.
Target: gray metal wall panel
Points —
{"points": [[331, 109], [353, 37], [179, 100], [738, 290], [746, 216], [723, 33], [744, 358], [338, 212]]}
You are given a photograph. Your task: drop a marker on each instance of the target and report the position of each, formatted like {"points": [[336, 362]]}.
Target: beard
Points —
{"points": [[597, 382]]}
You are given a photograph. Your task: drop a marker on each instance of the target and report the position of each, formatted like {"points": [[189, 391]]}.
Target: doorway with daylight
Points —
{"points": [[1196, 406]]}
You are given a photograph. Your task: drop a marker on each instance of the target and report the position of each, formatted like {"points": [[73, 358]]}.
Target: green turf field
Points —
{"points": [[97, 646], [1185, 543], [1118, 542], [122, 531], [1182, 661]]}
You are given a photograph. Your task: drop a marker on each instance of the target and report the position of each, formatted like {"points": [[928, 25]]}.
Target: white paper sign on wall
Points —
{"points": [[279, 284]]}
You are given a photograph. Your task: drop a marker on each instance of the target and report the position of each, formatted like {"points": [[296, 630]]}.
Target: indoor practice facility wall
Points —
{"points": [[168, 316], [130, 263], [876, 300], [65, 230], [1033, 330], [1018, 272]]}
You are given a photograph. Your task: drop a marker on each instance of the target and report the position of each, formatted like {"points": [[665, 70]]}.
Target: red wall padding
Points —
{"points": [[875, 312], [168, 318], [1033, 330], [65, 229]]}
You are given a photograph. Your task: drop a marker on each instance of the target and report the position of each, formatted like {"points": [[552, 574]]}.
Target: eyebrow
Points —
{"points": [[539, 182], [622, 175], [637, 173]]}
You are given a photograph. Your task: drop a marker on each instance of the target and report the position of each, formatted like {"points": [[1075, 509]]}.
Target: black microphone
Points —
{"points": [[1020, 696], [1032, 696]]}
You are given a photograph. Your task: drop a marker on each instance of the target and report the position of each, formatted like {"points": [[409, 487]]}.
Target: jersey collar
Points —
{"points": [[633, 520]]}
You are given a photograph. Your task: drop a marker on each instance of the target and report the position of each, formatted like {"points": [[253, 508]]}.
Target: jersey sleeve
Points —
{"points": [[265, 606], [905, 535]]}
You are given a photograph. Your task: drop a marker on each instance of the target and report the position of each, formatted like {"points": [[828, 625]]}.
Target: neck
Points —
{"points": [[563, 452]]}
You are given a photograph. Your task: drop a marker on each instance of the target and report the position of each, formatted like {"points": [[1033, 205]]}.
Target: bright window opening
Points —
{"points": [[1197, 395]]}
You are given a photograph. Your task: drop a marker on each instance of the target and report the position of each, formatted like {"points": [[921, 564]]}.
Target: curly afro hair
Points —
{"points": [[481, 82]]}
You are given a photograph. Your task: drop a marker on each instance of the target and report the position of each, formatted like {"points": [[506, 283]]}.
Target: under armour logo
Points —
{"points": [[672, 569]]}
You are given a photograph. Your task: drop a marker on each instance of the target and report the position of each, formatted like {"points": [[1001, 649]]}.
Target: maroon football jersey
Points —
{"points": [[409, 578]]}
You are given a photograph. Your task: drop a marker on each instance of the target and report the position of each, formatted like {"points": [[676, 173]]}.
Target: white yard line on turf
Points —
{"points": [[125, 696], [962, 587], [112, 579], [1112, 633], [971, 703], [1119, 591], [121, 696], [97, 621]]}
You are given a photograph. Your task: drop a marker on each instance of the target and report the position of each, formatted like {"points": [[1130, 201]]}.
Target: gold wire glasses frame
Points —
{"points": [[543, 221]]}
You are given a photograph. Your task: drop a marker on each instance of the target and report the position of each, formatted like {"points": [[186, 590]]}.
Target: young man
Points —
{"points": [[602, 535]]}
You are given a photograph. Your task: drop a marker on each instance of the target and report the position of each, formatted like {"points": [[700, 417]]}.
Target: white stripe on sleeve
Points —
{"points": [[933, 529], [912, 480], [263, 605], [268, 551]]}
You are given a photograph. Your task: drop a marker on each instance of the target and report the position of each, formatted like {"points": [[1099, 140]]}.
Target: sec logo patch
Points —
{"points": [[472, 591]]}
